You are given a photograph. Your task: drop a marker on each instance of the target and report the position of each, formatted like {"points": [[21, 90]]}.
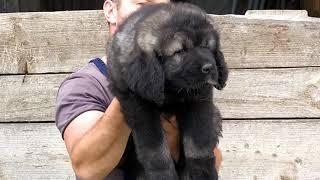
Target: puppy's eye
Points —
{"points": [[180, 51], [204, 46], [209, 44]]}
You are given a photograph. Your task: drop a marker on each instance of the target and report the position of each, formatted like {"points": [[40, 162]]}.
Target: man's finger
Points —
{"points": [[218, 155]]}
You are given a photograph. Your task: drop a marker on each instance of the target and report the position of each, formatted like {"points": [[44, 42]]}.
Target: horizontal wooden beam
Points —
{"points": [[250, 93], [250, 42], [33, 151], [265, 149], [268, 149], [43, 42], [29, 98], [271, 93]]}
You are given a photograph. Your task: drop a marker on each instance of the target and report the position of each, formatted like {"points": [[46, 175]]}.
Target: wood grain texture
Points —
{"points": [[42, 42], [29, 98], [33, 151], [64, 41], [268, 149], [250, 93], [249, 42], [271, 149], [271, 93], [278, 14]]}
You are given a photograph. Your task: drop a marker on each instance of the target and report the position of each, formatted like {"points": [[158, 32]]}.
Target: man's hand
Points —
{"points": [[171, 130], [96, 141]]}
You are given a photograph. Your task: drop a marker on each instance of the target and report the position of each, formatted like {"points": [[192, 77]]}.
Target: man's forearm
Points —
{"points": [[101, 148]]}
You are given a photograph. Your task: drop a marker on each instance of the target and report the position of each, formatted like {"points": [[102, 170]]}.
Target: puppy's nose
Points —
{"points": [[206, 68]]}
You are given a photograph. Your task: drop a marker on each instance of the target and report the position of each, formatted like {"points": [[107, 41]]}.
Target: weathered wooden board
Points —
{"points": [[29, 98], [251, 43], [33, 151], [250, 93], [292, 15], [271, 149], [265, 149], [50, 41], [64, 41], [271, 93]]}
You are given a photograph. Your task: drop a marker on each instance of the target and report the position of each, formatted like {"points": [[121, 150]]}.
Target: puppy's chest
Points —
{"points": [[185, 97], [174, 99]]}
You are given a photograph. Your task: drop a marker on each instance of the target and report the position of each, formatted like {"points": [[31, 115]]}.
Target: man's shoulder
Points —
{"points": [[87, 71], [84, 90], [86, 79]]}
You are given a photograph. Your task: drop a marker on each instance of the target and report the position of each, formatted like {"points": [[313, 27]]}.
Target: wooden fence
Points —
{"points": [[271, 105]]}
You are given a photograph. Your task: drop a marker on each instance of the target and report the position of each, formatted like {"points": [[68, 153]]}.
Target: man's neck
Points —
{"points": [[104, 59]]}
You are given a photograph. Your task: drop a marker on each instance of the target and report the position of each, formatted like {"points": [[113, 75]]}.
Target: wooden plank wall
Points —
{"points": [[48, 5], [271, 105]]}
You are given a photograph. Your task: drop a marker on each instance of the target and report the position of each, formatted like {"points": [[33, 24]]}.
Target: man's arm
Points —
{"points": [[96, 141]]}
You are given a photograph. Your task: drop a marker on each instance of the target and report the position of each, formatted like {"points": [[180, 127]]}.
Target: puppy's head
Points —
{"points": [[192, 58], [174, 45], [186, 45]]}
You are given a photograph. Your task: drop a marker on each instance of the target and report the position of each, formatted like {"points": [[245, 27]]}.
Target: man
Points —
{"points": [[89, 117]]}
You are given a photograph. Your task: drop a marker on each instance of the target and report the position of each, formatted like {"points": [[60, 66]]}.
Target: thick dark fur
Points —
{"points": [[167, 58]]}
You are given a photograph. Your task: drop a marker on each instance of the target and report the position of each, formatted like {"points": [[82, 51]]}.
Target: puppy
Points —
{"points": [[167, 58]]}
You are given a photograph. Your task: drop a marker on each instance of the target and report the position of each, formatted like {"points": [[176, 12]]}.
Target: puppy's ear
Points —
{"points": [[222, 70], [145, 76]]}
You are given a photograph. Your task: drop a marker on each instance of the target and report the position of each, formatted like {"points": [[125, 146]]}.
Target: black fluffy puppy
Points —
{"points": [[167, 58]]}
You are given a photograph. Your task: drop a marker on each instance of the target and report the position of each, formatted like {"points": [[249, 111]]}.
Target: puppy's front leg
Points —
{"points": [[150, 143], [199, 139]]}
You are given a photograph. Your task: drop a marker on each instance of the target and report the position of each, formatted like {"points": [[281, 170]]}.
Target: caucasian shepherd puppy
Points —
{"points": [[166, 58]]}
